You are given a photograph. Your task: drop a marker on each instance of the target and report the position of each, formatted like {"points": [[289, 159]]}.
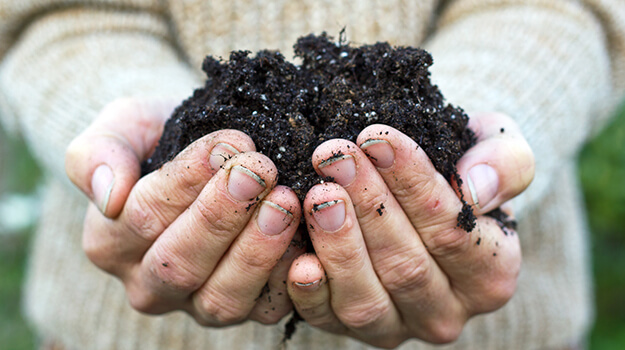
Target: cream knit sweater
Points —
{"points": [[556, 66]]}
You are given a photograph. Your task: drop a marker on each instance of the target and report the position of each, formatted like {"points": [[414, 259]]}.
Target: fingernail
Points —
{"points": [[330, 215], [341, 168], [379, 152], [310, 286], [220, 154], [483, 184], [244, 184], [102, 185], [272, 218]]}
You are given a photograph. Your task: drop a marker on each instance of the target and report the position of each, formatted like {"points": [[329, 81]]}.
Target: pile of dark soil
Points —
{"points": [[335, 92]]}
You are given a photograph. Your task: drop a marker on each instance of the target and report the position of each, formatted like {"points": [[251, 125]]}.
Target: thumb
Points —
{"points": [[105, 160], [499, 167]]}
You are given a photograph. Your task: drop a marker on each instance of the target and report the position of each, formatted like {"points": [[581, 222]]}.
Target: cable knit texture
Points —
{"points": [[556, 66]]}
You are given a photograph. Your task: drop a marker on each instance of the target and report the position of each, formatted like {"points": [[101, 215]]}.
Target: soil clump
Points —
{"points": [[335, 92]]}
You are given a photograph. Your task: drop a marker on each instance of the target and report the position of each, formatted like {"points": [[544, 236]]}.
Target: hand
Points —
{"points": [[386, 236], [207, 233]]}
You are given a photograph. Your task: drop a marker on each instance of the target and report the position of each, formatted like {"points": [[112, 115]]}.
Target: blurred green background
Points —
{"points": [[601, 170], [19, 178]]}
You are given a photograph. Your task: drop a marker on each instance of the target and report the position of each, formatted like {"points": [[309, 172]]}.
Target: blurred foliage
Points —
{"points": [[18, 174], [602, 172], [14, 331], [18, 170]]}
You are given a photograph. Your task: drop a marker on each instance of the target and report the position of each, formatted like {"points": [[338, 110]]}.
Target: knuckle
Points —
{"points": [[213, 219], [365, 316], [415, 185], [405, 273], [418, 192], [189, 174], [254, 260], [449, 242], [346, 257], [497, 295], [176, 277], [95, 252], [145, 301], [204, 322], [221, 310], [96, 247], [443, 331], [503, 295], [368, 202], [141, 218]]}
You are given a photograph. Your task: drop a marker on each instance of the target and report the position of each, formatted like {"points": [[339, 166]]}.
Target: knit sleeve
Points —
{"points": [[68, 62], [555, 66]]}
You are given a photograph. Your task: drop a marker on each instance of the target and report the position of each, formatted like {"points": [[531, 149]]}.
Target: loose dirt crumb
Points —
{"points": [[380, 209]]}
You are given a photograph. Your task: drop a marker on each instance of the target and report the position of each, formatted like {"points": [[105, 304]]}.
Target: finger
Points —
{"points": [[358, 298], [433, 206], [233, 289], [103, 244], [274, 302], [309, 291], [385, 227], [104, 161], [159, 198], [499, 167], [403, 264], [186, 253], [425, 196]]}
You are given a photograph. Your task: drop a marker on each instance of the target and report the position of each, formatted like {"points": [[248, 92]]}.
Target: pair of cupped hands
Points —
{"points": [[212, 230]]}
